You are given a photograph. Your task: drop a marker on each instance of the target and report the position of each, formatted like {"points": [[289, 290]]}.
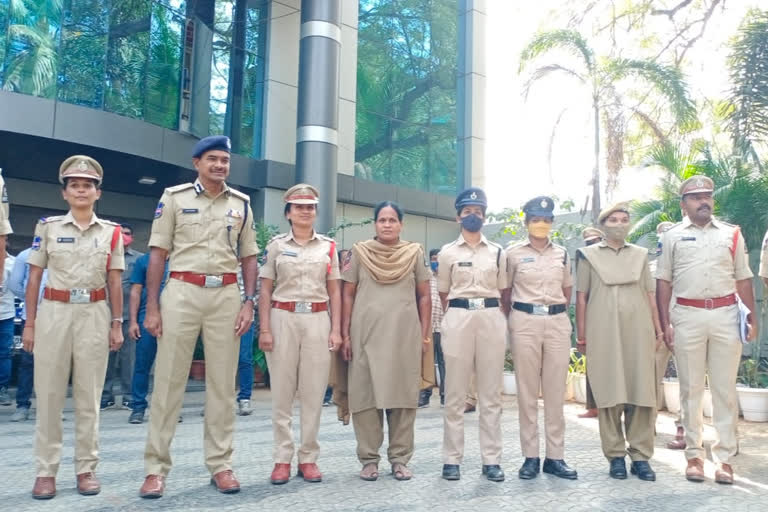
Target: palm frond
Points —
{"points": [[543, 71], [568, 40]]}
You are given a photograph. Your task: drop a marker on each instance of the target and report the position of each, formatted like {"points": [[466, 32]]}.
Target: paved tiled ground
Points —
{"points": [[121, 471]]}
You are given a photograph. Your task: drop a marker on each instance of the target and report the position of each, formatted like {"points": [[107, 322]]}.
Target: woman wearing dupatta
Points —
{"points": [[386, 326]]}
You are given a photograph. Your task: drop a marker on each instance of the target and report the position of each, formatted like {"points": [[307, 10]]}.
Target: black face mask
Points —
{"points": [[472, 223]]}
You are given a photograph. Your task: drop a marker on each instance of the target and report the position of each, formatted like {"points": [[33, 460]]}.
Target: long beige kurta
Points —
{"points": [[620, 332], [385, 370]]}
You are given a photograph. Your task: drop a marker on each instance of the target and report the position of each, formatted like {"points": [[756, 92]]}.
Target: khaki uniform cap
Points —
{"points": [[696, 184], [590, 233], [618, 207], [301, 194], [80, 166]]}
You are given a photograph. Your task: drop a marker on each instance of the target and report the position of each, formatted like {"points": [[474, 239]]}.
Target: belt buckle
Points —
{"points": [[709, 303], [476, 304], [213, 281], [79, 296], [540, 310], [302, 307]]}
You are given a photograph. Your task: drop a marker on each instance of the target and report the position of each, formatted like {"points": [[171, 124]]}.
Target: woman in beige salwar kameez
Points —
{"points": [[616, 316], [386, 325]]}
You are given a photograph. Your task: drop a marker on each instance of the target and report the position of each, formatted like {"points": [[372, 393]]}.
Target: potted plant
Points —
{"points": [[577, 373], [753, 392], [672, 394], [197, 369], [510, 384]]}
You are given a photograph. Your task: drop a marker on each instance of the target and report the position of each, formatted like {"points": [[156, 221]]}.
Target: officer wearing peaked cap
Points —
{"points": [[704, 266], [205, 228], [68, 331], [472, 272], [539, 290]]}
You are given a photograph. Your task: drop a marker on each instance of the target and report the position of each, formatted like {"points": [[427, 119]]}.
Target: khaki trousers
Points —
{"points": [[663, 356], [541, 346], [300, 361], [472, 393], [69, 338], [369, 431], [707, 342], [473, 342], [186, 309], [639, 427]]}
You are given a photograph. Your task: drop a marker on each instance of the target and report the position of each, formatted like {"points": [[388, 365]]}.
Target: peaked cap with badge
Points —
{"points": [[472, 196], [81, 166], [541, 206], [212, 143], [302, 193], [696, 184]]}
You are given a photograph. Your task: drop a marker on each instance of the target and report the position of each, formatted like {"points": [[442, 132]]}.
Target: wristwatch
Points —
{"points": [[117, 320], [251, 298]]}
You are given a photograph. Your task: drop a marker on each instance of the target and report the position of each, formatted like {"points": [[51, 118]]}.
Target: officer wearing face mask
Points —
{"points": [[471, 274], [539, 291]]}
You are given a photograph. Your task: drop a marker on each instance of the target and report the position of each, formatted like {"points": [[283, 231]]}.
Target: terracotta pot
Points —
{"points": [[197, 370]]}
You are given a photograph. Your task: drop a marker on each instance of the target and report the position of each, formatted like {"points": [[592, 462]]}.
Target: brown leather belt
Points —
{"points": [[301, 307], [76, 295], [719, 302], [205, 280]]}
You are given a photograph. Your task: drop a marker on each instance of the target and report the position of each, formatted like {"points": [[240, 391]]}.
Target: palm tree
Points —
{"points": [[609, 105]]}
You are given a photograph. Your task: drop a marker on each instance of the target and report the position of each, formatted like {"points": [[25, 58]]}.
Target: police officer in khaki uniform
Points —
{"points": [[71, 333], [296, 330], [205, 227], [471, 273], [704, 265], [540, 285], [5, 226]]}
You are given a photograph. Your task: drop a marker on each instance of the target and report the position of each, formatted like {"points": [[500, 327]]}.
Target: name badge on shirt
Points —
{"points": [[235, 214], [688, 239], [290, 253], [465, 263], [190, 210], [65, 240], [527, 260]]}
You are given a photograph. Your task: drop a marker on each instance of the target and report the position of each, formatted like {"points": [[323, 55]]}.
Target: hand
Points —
{"points": [[581, 346], [334, 342], [659, 341], [28, 338], [244, 318], [266, 343], [115, 337], [669, 338], [346, 349], [153, 323], [751, 331], [425, 344], [134, 332]]}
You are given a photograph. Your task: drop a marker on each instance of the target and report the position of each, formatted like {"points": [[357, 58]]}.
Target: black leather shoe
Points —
{"points": [[451, 472], [618, 468], [559, 468], [643, 470], [493, 472], [530, 468]]}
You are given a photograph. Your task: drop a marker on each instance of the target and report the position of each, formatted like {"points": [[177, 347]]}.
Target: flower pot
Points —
{"points": [[580, 387], [510, 384], [672, 395], [754, 403], [568, 387], [197, 370], [706, 403]]}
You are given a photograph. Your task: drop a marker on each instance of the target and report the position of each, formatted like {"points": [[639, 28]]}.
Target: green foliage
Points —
{"points": [[578, 362], [344, 224], [563, 39], [264, 233], [752, 373], [513, 224], [509, 362]]}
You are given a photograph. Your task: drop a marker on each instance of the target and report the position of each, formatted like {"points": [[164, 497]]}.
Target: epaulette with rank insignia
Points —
{"points": [[565, 252], [54, 218], [514, 244], [109, 222], [239, 195], [180, 188], [277, 237]]}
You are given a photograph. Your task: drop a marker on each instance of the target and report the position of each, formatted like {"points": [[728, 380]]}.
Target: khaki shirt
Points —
{"points": [[300, 272], [466, 272], [201, 232], [700, 263], [5, 224], [763, 272], [76, 257], [538, 277]]}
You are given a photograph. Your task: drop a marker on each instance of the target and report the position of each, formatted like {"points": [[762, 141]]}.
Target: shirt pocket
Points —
{"points": [[189, 226], [316, 268], [461, 276], [489, 275]]}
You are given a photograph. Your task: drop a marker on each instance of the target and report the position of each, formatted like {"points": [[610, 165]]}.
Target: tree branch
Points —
{"points": [[670, 12]]}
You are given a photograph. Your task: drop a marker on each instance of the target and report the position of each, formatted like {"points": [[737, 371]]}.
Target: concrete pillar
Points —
{"points": [[318, 103]]}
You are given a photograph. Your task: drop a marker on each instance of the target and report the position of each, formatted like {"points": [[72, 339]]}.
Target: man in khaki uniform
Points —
{"points": [[471, 273], [5, 226], [539, 292], [205, 227], [71, 332], [296, 330], [704, 265]]}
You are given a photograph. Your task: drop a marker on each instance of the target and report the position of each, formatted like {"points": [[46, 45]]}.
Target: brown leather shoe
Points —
{"points": [[310, 472], [677, 443], [226, 482], [88, 484], [695, 470], [590, 413], [153, 488], [280, 474], [45, 488], [724, 474]]}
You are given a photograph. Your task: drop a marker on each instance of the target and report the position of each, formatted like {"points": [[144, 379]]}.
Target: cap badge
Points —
{"points": [[82, 166], [699, 183], [543, 203], [473, 196]]}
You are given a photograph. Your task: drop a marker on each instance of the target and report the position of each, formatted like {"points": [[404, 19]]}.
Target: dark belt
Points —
{"points": [[205, 280], [719, 302], [75, 296], [473, 303], [301, 307], [539, 309]]}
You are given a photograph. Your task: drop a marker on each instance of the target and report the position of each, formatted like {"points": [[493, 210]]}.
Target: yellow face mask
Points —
{"points": [[539, 229]]}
